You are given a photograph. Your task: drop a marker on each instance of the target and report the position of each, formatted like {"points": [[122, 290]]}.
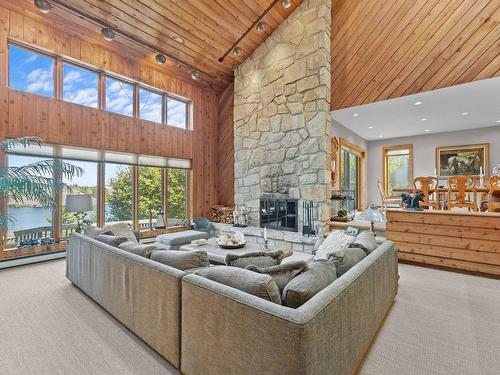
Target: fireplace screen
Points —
{"points": [[279, 213]]}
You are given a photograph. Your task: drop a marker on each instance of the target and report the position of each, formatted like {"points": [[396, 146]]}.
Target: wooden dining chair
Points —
{"points": [[385, 199], [428, 186], [459, 190], [494, 194]]}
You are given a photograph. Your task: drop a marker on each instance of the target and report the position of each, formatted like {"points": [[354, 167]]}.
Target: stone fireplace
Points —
{"points": [[282, 118]]}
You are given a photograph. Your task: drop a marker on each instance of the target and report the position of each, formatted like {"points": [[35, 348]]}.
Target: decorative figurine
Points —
{"points": [[412, 203], [160, 221]]}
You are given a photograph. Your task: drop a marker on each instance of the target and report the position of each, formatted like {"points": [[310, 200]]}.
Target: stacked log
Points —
{"points": [[222, 214]]}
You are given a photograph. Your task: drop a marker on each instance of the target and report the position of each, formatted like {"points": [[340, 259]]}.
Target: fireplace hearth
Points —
{"points": [[279, 213]]}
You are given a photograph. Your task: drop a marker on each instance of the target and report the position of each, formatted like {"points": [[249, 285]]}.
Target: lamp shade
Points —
{"points": [[372, 214], [79, 203]]}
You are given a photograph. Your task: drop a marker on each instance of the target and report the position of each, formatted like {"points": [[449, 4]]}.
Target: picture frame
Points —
{"points": [[463, 160]]}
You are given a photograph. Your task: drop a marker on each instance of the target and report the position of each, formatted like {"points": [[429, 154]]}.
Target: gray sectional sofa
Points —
{"points": [[204, 327]]}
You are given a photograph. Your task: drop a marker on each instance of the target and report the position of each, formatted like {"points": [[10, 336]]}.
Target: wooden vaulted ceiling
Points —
{"points": [[208, 28]]}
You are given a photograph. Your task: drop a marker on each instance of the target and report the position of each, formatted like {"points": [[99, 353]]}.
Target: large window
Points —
{"points": [[80, 85], [31, 71], [119, 193], [177, 113], [151, 191], [398, 168], [177, 195], [119, 97]]}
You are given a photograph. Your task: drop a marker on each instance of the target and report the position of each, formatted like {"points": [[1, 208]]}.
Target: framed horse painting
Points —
{"points": [[467, 160]]}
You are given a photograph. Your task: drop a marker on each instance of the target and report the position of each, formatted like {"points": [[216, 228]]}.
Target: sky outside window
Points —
{"points": [[119, 97], [80, 85], [176, 113], [150, 105]]}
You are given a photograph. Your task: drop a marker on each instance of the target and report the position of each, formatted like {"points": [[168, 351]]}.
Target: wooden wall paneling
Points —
{"points": [[4, 31], [445, 43], [225, 148]]}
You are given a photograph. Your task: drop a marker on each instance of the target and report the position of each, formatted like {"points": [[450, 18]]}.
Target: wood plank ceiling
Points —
{"points": [[387, 49], [206, 28]]}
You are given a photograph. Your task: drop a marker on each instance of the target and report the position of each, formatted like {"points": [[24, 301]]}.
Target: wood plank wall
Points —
{"points": [[66, 123], [225, 147], [388, 49], [466, 241]]}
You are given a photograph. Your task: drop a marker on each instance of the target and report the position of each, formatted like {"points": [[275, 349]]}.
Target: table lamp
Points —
{"points": [[373, 214], [80, 204]]}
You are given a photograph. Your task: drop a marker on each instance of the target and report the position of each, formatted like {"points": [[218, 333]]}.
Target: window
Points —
{"points": [[349, 178], [85, 184], [29, 220], [30, 71], [80, 86], [150, 194], [398, 168], [177, 201], [119, 97], [150, 105], [119, 194], [177, 113]]}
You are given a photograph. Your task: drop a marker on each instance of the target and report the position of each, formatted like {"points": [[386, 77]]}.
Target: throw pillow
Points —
{"points": [[123, 230], [366, 241], [335, 241], [114, 241], [182, 260], [258, 258], [259, 285], [92, 231], [317, 244], [302, 288], [144, 250], [283, 273], [345, 259]]}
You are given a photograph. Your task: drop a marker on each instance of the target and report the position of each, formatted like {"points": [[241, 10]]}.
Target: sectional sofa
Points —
{"points": [[204, 327]]}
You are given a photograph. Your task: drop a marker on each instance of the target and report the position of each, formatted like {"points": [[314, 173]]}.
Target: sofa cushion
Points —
{"points": [[317, 244], [282, 273], [181, 238], [144, 250], [336, 240], [111, 240], [92, 231], [366, 241], [256, 258], [257, 284], [182, 260], [303, 287], [122, 230], [345, 259]]}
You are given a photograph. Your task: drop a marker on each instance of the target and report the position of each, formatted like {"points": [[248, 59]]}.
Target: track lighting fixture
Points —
{"points": [[195, 75], [237, 51], [261, 26], [42, 5], [286, 3], [108, 34], [161, 58]]}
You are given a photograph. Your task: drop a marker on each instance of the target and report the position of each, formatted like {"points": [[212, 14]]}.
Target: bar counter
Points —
{"points": [[465, 241]]}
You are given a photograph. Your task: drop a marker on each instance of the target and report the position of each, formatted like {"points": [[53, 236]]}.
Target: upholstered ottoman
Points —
{"points": [[173, 241]]}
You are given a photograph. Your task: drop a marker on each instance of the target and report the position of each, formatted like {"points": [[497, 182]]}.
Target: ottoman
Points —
{"points": [[173, 241]]}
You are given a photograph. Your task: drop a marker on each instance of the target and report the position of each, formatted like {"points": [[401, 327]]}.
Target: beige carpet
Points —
{"points": [[441, 323]]}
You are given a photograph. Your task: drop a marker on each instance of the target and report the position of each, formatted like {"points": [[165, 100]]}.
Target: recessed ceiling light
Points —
{"points": [[417, 103], [423, 119], [370, 127], [195, 75], [464, 113], [108, 34], [498, 121], [161, 58], [43, 6], [381, 136], [178, 39], [427, 130], [286, 3], [355, 115], [237, 51], [261, 26]]}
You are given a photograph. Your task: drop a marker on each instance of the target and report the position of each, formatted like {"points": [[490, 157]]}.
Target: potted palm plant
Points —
{"points": [[33, 182]]}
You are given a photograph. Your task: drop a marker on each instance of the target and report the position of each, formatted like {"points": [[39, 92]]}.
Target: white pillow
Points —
{"points": [[122, 230], [337, 240]]}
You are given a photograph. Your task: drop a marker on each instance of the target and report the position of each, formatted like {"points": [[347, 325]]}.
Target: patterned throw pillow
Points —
{"points": [[122, 230], [336, 240], [345, 259], [283, 273], [366, 241]]}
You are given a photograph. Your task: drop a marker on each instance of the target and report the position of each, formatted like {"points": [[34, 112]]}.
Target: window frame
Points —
{"points": [[360, 152], [101, 90], [163, 104], [385, 174]]}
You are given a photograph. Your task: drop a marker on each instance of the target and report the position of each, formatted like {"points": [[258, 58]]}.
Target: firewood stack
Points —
{"points": [[222, 214]]}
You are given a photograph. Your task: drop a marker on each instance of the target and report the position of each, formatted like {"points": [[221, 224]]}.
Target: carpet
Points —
{"points": [[441, 323]]}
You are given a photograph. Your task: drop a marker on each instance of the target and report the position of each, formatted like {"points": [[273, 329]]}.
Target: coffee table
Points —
{"points": [[217, 255]]}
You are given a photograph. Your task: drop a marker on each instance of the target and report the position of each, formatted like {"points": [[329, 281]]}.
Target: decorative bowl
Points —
{"points": [[234, 246]]}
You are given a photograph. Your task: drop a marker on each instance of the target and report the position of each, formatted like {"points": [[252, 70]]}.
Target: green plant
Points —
{"points": [[33, 182]]}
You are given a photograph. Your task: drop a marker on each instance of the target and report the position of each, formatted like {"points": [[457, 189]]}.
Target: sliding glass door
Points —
{"points": [[349, 178]]}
